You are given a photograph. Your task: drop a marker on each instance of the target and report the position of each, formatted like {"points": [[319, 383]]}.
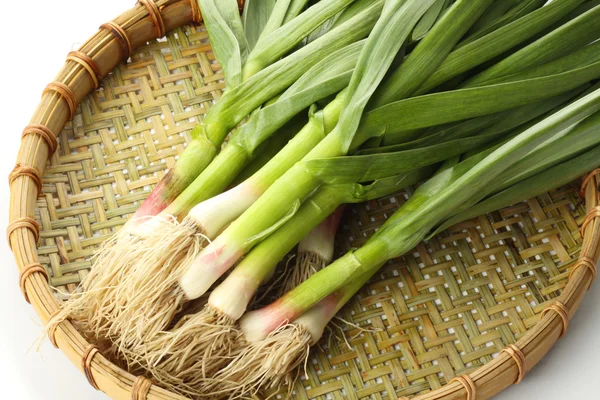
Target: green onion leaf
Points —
{"points": [[395, 119], [379, 51], [364, 168], [276, 43], [558, 43], [428, 19], [499, 41], [326, 78], [227, 37], [255, 16], [237, 103], [535, 185], [517, 11], [485, 125], [430, 52]]}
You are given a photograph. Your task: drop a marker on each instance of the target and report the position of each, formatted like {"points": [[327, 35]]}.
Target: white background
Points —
{"points": [[38, 36]]}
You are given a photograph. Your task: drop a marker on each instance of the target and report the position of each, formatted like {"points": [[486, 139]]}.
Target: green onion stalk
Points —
{"points": [[326, 146], [345, 168], [149, 295], [326, 78], [187, 357], [237, 102], [270, 148], [210, 217], [104, 294], [416, 112], [282, 199], [279, 334]]}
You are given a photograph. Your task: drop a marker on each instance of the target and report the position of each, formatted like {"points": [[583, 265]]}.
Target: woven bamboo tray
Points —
{"points": [[463, 316]]}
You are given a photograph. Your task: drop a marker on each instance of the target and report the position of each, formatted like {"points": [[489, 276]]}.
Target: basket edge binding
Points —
{"points": [[79, 76]]}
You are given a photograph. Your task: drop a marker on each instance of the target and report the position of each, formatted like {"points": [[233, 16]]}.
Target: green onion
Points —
{"points": [[204, 342], [378, 52], [281, 333], [430, 204], [259, 87], [269, 149]]}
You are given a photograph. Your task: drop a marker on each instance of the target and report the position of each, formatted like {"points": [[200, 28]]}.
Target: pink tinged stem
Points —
{"points": [[209, 266], [156, 202], [257, 325], [316, 319], [191, 163]]}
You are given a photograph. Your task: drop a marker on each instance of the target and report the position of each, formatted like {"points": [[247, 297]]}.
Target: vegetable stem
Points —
{"points": [[214, 214], [241, 100], [297, 183], [430, 204]]}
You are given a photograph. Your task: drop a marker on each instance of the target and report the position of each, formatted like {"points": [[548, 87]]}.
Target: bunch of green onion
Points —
{"points": [[331, 103]]}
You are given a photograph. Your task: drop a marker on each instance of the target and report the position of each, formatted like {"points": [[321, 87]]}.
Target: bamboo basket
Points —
{"points": [[463, 316]]}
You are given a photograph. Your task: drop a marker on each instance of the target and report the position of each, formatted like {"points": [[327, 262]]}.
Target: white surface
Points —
{"points": [[571, 370]]}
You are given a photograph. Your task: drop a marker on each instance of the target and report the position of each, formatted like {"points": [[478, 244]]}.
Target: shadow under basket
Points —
{"points": [[463, 316]]}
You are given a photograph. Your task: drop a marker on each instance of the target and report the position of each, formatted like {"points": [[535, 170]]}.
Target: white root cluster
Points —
{"points": [[267, 364]]}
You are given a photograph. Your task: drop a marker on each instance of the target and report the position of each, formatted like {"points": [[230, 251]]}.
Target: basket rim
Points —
{"points": [[78, 77]]}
